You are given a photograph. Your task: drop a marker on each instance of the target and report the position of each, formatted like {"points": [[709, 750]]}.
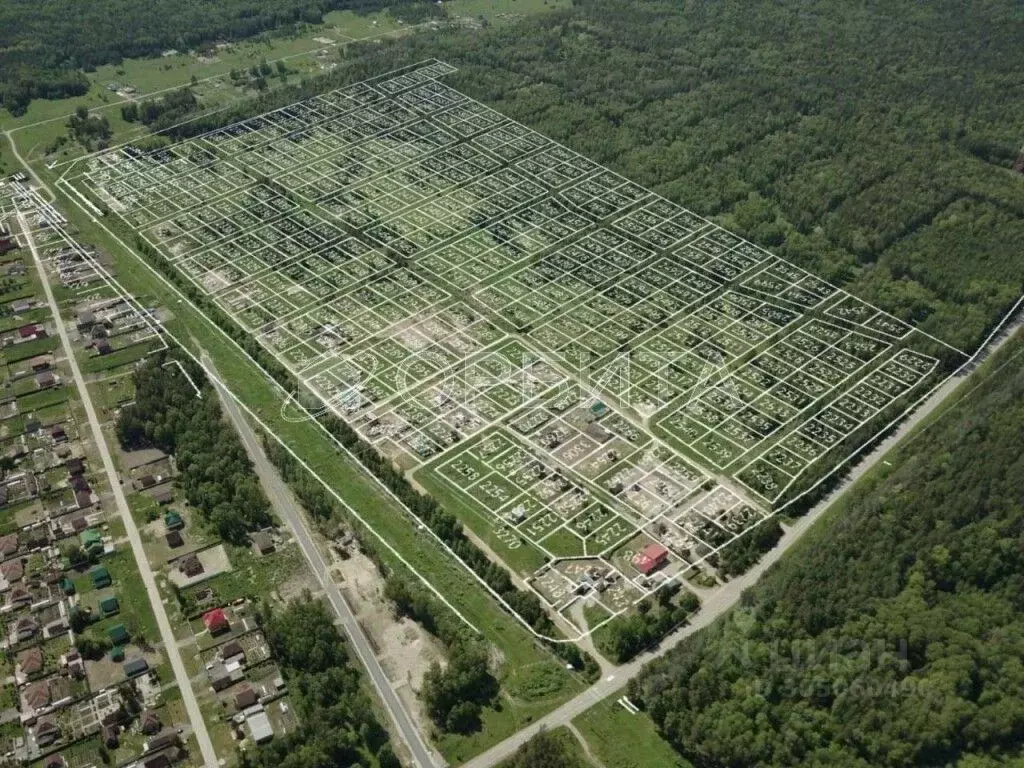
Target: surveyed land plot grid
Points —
{"points": [[585, 369]]}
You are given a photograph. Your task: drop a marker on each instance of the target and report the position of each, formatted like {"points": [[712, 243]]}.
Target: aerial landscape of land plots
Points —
{"points": [[605, 386]]}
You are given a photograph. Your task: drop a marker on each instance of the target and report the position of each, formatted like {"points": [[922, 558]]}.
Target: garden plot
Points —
{"points": [[461, 400], [579, 367], [535, 291]]}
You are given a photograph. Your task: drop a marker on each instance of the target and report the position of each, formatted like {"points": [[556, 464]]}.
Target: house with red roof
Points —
{"points": [[216, 621], [650, 558]]}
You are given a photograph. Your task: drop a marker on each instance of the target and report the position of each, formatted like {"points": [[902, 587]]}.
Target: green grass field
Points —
{"points": [[524, 559], [45, 120], [619, 739]]}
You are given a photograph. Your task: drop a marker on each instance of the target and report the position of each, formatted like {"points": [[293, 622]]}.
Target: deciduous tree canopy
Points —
{"points": [[215, 472], [893, 635], [43, 45]]}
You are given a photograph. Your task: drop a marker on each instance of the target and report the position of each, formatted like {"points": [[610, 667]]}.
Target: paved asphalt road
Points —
{"points": [[166, 633], [288, 508]]}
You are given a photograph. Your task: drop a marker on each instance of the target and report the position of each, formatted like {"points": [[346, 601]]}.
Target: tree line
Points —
{"points": [[337, 725], [423, 507], [45, 46], [214, 471], [455, 693], [892, 635]]}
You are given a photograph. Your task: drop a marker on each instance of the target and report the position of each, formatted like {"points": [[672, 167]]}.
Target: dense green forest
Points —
{"points": [[337, 723], [873, 144], [214, 471], [44, 45], [893, 634]]}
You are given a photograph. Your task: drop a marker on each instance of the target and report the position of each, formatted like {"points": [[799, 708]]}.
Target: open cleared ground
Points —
{"points": [[579, 367]]}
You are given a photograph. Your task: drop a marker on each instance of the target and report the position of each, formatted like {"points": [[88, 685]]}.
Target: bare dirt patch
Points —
{"points": [[404, 648]]}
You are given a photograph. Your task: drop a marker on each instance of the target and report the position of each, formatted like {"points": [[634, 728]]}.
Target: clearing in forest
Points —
{"points": [[606, 387]]}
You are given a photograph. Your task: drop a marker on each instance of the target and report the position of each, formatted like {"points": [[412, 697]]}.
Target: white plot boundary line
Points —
{"points": [[290, 398], [423, 64], [839, 465], [96, 265], [846, 463], [140, 311], [842, 464], [700, 560]]}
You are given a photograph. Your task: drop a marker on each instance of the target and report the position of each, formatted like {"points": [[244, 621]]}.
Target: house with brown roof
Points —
{"points": [[19, 596], [162, 740], [30, 661], [262, 542], [45, 380], [163, 494], [190, 565], [47, 732], [246, 698], [85, 319], [150, 723], [12, 571], [35, 697], [8, 544], [25, 629], [41, 363], [231, 650]]}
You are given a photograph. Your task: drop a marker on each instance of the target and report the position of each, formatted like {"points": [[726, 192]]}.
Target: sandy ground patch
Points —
{"points": [[404, 648]]}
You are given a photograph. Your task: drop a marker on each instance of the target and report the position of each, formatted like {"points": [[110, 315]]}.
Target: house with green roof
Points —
{"points": [[91, 542], [173, 521], [109, 606], [118, 634], [100, 576]]}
